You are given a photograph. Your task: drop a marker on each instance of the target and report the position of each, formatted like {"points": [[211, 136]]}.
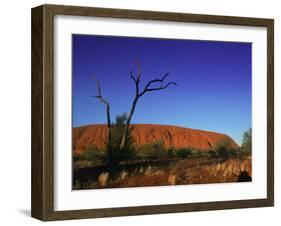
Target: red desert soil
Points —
{"points": [[172, 136]]}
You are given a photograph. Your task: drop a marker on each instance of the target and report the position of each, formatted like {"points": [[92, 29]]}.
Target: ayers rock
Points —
{"points": [[172, 136]]}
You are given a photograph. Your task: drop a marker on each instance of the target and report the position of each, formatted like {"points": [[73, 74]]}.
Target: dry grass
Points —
{"points": [[187, 171]]}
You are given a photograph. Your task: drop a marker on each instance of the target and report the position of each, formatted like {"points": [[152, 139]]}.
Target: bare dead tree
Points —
{"points": [[148, 88], [102, 100]]}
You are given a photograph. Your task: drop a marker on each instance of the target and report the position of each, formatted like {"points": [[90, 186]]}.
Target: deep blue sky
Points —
{"points": [[214, 82]]}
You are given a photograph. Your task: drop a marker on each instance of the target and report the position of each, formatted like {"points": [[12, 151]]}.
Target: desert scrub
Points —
{"points": [[198, 153], [155, 150], [180, 152], [88, 158], [187, 152], [223, 150]]}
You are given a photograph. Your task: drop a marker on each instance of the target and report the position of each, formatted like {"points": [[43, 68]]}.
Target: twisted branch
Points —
{"points": [[101, 99], [138, 94], [161, 81]]}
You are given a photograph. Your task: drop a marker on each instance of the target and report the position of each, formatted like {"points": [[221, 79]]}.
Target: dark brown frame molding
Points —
{"points": [[42, 203]]}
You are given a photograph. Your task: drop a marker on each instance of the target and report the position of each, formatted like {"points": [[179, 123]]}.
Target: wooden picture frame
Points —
{"points": [[43, 112]]}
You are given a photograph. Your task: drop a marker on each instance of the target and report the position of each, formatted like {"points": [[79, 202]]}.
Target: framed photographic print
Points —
{"points": [[141, 112]]}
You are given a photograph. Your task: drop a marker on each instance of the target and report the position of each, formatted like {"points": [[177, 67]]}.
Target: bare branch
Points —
{"points": [[139, 70], [132, 76], [170, 83], [157, 88], [148, 85], [136, 79], [156, 80], [99, 96], [98, 85], [101, 99]]}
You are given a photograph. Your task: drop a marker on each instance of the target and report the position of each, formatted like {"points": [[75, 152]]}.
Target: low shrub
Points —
{"points": [[93, 155], [213, 154], [233, 152], [182, 152], [76, 157], [155, 150], [224, 150], [223, 153], [198, 153]]}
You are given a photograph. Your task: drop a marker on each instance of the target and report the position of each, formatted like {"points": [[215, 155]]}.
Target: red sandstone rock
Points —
{"points": [[172, 136]]}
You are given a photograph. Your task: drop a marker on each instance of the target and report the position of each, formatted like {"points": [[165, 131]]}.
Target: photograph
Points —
{"points": [[150, 111], [140, 112]]}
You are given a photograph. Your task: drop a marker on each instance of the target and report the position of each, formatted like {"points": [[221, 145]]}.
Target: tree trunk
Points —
{"points": [[109, 129], [128, 123]]}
